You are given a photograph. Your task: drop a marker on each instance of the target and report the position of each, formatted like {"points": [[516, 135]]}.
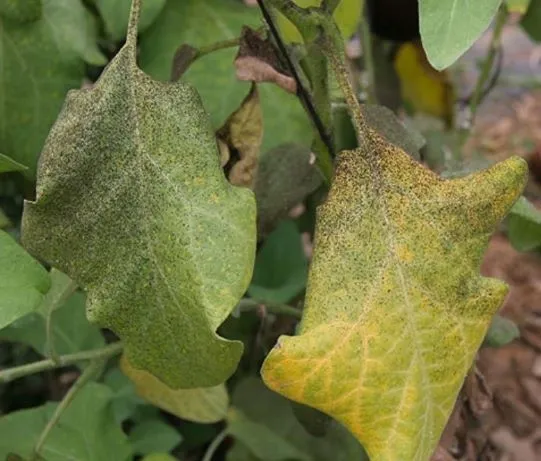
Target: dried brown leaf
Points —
{"points": [[258, 61], [242, 134]]}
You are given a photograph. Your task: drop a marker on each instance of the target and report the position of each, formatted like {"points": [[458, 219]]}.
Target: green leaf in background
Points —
{"points": [[23, 281], [159, 457], [449, 27], [262, 442], [62, 287], [7, 165], [259, 406], [518, 6], [202, 405], [501, 332], [286, 176], [115, 15], [198, 24], [153, 435], [21, 10], [137, 162], [524, 226], [71, 331], [86, 431], [532, 19], [347, 16], [41, 61], [281, 266], [125, 400]]}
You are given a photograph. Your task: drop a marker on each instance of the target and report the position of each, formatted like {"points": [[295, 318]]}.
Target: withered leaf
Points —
{"points": [[258, 61]]}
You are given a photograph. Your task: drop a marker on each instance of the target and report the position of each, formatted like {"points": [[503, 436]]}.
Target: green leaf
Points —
{"points": [[71, 330], [153, 436], [125, 400], [86, 430], [21, 10], [23, 281], [394, 241], [75, 30], [518, 6], [524, 226], [159, 457], [281, 266], [531, 20], [261, 441], [203, 405], [115, 15], [7, 165], [449, 27], [501, 332], [136, 161], [286, 175], [40, 63], [347, 16], [62, 287], [264, 411], [204, 23]]}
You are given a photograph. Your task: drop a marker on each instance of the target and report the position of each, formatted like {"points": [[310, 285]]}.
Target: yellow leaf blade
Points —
{"points": [[202, 405], [395, 308]]}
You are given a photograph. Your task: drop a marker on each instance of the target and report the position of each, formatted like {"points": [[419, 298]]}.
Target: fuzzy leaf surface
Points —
{"points": [[132, 205], [395, 307]]}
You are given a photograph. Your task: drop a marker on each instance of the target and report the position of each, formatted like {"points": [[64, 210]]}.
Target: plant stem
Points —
{"points": [[17, 372], [90, 371], [214, 445], [315, 109], [488, 63], [278, 309], [368, 56], [334, 51]]}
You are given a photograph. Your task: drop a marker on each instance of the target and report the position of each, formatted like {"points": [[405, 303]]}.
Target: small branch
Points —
{"points": [[488, 63], [88, 374], [106, 352], [301, 19], [278, 309], [368, 56], [214, 445]]}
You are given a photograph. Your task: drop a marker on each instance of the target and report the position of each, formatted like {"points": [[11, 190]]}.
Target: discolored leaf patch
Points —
{"points": [[202, 405], [132, 205], [395, 307], [241, 137], [258, 61]]}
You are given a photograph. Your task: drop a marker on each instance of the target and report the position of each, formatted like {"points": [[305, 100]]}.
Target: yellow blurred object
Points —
{"points": [[423, 88], [347, 15]]}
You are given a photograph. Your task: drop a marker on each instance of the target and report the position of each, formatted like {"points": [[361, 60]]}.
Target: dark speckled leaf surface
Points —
{"points": [[132, 204], [395, 307]]}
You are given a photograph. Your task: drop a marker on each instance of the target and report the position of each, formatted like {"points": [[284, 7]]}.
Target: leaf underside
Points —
{"points": [[132, 204], [395, 307]]}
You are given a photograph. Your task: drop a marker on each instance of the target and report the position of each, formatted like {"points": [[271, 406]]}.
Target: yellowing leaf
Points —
{"points": [[242, 133], [518, 6], [347, 16], [395, 306], [202, 405], [132, 205], [423, 88]]}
